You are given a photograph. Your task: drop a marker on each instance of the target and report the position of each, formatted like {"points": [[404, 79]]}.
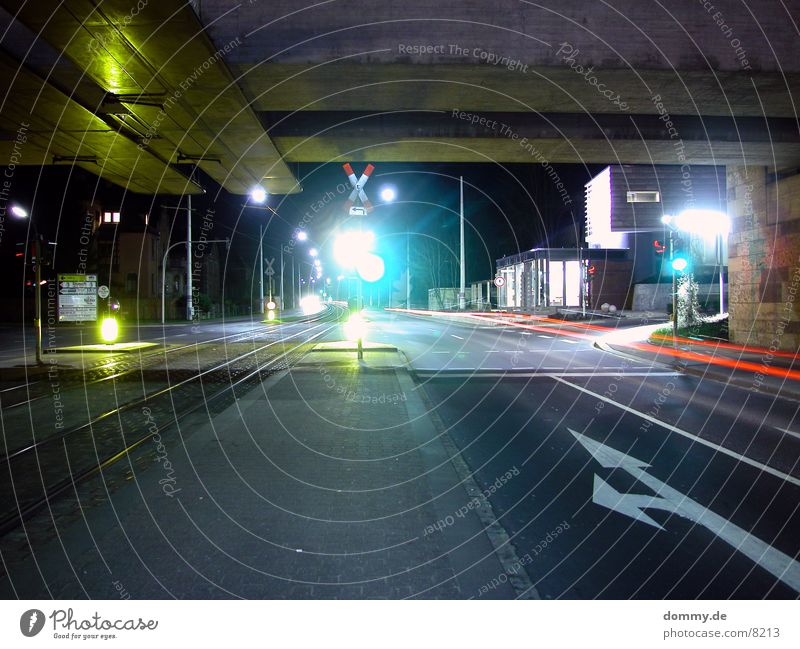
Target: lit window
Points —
{"points": [[115, 217], [644, 197], [106, 217]]}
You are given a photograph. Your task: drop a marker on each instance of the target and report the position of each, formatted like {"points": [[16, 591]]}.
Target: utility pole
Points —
{"points": [[189, 259], [674, 291], [37, 251], [283, 300], [291, 281], [462, 297], [408, 270], [260, 269]]}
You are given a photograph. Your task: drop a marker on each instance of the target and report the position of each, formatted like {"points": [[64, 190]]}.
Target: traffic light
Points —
{"points": [[680, 253], [659, 247]]}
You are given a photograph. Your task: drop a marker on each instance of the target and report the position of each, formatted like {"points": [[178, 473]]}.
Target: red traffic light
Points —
{"points": [[660, 247], [591, 270]]}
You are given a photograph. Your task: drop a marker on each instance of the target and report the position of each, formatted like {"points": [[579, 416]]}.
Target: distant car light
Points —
{"points": [[310, 304]]}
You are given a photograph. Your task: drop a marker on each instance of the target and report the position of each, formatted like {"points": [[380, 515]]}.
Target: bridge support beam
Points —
{"points": [[764, 257]]}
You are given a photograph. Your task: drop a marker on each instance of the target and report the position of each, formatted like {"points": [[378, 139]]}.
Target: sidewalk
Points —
{"points": [[330, 480]]}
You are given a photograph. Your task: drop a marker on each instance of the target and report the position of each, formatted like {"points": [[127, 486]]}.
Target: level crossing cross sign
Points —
{"points": [[358, 193]]}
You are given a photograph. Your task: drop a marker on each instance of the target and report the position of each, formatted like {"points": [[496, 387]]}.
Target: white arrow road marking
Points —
{"points": [[773, 561], [719, 449]]}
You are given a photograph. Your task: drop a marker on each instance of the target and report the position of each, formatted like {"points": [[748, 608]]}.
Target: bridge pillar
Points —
{"points": [[764, 258]]}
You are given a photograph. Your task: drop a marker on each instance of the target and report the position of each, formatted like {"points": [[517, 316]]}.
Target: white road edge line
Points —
{"points": [[688, 435], [454, 336]]}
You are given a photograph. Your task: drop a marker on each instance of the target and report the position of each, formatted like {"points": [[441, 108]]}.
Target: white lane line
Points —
{"points": [[492, 351], [177, 335], [454, 336], [441, 352], [789, 432], [543, 336], [720, 449], [571, 342]]}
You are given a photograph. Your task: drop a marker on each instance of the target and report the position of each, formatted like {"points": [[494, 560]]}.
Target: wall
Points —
{"points": [[764, 258]]}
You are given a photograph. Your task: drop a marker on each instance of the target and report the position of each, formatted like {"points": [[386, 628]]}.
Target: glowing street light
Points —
{"points": [[19, 212], [388, 194], [313, 252], [301, 235], [706, 223], [258, 194]]}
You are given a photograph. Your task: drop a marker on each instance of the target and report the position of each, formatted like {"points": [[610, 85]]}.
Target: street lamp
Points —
{"points": [[258, 194], [388, 194], [301, 235]]}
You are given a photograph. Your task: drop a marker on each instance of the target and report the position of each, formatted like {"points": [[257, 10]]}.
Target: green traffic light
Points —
{"points": [[679, 264]]}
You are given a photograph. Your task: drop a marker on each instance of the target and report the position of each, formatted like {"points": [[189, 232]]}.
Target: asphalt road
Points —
{"points": [[705, 505], [628, 479]]}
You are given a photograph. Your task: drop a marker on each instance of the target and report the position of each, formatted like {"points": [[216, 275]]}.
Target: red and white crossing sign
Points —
{"points": [[358, 191], [499, 281]]}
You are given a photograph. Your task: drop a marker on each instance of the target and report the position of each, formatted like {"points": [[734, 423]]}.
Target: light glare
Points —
{"points": [[258, 194]]}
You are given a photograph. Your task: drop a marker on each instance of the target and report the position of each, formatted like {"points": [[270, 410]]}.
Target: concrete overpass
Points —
{"points": [[130, 89]]}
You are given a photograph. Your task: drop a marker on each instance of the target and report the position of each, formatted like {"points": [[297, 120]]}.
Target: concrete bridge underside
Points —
{"points": [[130, 90]]}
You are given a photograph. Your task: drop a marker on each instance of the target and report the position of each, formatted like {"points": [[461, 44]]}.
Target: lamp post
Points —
{"points": [[22, 213], [462, 290], [188, 243]]}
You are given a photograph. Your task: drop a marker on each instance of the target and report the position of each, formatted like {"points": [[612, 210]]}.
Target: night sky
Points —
{"points": [[508, 208]]}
